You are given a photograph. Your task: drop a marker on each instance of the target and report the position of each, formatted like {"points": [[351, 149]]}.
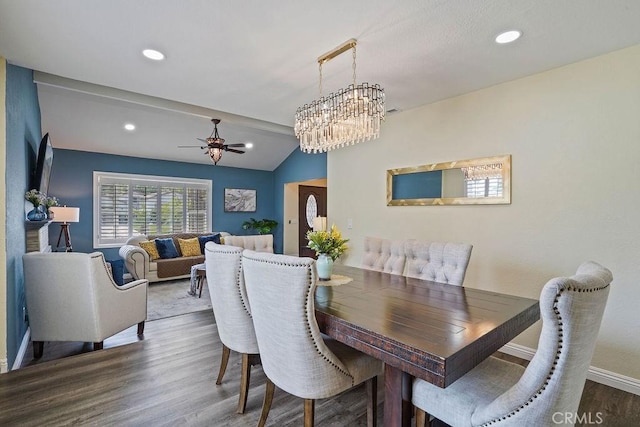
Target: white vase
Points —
{"points": [[324, 266]]}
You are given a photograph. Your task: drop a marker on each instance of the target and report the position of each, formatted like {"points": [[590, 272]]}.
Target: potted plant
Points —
{"points": [[263, 226], [328, 245], [50, 202], [37, 199]]}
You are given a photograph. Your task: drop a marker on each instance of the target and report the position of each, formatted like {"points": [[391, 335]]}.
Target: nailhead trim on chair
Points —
{"points": [[567, 288], [235, 250], [104, 262], [306, 309]]}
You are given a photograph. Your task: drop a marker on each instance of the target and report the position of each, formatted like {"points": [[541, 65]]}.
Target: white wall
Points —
{"points": [[574, 134]]}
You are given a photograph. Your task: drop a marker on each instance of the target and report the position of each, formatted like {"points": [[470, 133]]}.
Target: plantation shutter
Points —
{"points": [[128, 205]]}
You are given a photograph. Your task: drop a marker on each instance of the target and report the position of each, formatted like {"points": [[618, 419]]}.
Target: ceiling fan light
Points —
{"points": [[216, 154]]}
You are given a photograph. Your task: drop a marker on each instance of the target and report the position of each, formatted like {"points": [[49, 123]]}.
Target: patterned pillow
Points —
{"points": [[166, 248], [189, 247], [150, 248], [212, 238]]}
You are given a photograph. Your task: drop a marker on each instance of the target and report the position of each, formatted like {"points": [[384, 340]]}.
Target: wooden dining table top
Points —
{"points": [[433, 331]]}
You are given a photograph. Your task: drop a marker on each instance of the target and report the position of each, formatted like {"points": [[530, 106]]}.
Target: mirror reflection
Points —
{"points": [[485, 180]]}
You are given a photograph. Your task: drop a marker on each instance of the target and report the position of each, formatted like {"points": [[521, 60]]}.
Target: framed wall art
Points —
{"points": [[239, 200]]}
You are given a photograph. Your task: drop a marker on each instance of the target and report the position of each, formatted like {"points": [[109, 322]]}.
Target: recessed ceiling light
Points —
{"points": [[153, 54], [508, 36], [129, 126], [248, 145]]}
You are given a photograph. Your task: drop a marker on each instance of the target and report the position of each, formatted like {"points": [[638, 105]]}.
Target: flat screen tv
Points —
{"points": [[42, 173]]}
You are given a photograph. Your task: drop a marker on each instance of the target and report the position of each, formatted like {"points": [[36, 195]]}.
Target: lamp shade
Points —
{"points": [[65, 214], [320, 223]]}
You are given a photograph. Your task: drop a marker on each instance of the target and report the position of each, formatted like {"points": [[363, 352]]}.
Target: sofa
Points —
{"points": [[143, 265]]}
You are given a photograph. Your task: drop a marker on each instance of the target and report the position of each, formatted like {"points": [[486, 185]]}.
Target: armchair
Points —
{"points": [[72, 297], [500, 393]]}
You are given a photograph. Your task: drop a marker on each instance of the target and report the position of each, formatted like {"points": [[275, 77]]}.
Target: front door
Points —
{"points": [[312, 202]]}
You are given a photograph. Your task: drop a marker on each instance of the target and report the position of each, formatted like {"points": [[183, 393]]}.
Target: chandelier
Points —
{"points": [[493, 170], [346, 117]]}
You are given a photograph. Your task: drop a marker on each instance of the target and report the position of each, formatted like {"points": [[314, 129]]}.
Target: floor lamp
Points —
{"points": [[65, 215]]}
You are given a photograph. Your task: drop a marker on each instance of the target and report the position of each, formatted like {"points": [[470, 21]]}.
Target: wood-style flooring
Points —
{"points": [[167, 378]]}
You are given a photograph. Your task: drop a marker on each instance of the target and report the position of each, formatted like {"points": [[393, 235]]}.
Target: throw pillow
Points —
{"points": [[150, 248], [211, 238], [117, 270], [166, 248], [189, 247]]}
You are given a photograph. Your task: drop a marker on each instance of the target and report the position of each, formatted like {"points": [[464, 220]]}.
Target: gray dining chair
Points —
{"points": [[231, 310], [500, 393], [296, 357], [383, 255], [438, 262]]}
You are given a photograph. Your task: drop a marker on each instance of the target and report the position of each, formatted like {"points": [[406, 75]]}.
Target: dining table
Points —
{"points": [[419, 329]]}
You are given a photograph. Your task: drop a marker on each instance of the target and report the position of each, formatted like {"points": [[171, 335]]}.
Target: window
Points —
{"points": [[484, 187], [125, 205]]}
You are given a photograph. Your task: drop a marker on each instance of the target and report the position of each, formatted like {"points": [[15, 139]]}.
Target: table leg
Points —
{"points": [[397, 397]]}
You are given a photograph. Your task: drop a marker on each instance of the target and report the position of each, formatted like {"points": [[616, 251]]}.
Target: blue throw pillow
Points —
{"points": [[211, 238], [117, 269], [166, 248]]}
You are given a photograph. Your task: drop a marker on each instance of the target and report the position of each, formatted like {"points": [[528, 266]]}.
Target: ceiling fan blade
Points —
{"points": [[236, 145], [191, 146], [203, 140], [233, 151]]}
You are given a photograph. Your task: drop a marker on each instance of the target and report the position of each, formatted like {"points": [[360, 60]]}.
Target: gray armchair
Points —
{"points": [[225, 280], [295, 356], [72, 297], [499, 393]]}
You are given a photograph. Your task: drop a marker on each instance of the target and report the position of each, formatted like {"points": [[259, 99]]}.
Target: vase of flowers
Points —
{"points": [[328, 245], [50, 202], [37, 199]]}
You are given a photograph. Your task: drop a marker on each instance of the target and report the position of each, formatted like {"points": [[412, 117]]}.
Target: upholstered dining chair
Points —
{"points": [[258, 243], [500, 393], [438, 262], [225, 280], [383, 255], [73, 297], [296, 357]]}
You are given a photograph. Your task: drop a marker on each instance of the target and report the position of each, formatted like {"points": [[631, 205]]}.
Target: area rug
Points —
{"points": [[170, 298]]}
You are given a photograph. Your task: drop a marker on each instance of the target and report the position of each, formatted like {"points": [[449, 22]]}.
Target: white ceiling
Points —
{"points": [[253, 62]]}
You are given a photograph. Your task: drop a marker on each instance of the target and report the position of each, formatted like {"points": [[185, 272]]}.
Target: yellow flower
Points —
{"points": [[327, 242]]}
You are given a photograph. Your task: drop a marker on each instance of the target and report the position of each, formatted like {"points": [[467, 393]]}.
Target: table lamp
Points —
{"points": [[320, 223], [65, 215]]}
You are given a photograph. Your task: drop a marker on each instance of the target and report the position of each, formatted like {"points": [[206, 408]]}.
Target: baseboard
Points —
{"points": [[601, 376], [4, 366], [22, 350]]}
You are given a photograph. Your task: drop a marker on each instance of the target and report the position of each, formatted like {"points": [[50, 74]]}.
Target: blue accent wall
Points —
{"points": [[299, 166], [420, 185], [23, 137], [72, 183]]}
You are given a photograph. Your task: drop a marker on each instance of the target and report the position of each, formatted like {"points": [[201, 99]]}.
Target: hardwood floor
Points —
{"points": [[168, 378]]}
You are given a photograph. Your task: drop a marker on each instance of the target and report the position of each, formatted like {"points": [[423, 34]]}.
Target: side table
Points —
{"points": [[201, 274], [198, 274]]}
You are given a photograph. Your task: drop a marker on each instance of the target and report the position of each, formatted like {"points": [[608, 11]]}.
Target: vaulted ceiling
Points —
{"points": [[252, 63]]}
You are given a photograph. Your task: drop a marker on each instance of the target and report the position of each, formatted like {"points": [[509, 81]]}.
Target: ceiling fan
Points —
{"points": [[215, 145]]}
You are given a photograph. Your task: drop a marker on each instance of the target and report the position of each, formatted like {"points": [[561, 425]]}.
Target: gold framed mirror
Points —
{"points": [[482, 181]]}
